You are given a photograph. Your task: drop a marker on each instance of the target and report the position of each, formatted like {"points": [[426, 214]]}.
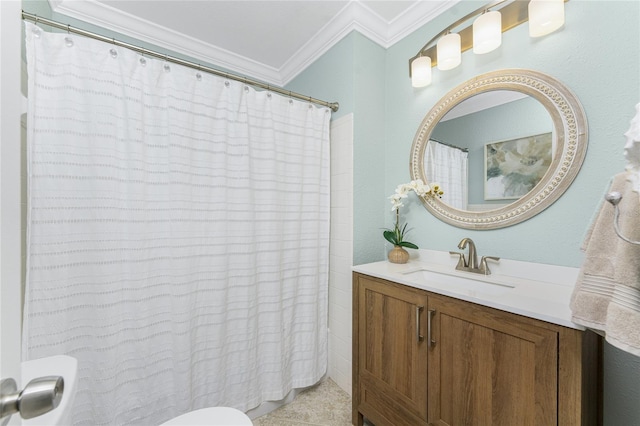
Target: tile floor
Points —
{"points": [[322, 405]]}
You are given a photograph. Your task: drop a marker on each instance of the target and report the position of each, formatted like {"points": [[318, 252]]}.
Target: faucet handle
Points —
{"points": [[462, 263], [484, 268]]}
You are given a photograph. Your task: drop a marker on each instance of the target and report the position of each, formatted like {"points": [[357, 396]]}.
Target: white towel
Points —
{"points": [[607, 294]]}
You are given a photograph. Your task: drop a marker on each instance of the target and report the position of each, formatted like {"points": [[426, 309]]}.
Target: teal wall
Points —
{"points": [[601, 67], [513, 120], [596, 55], [361, 63]]}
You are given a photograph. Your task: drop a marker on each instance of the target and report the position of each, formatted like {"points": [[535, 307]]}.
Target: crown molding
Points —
{"points": [[331, 33], [354, 16], [99, 14], [415, 17]]}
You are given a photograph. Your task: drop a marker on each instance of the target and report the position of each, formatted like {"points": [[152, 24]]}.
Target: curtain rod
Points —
{"points": [[449, 145], [35, 18]]}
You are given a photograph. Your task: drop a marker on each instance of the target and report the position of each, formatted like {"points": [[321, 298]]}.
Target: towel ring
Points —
{"points": [[614, 198]]}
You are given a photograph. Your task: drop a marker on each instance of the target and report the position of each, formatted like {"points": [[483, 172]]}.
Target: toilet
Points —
{"points": [[213, 416]]}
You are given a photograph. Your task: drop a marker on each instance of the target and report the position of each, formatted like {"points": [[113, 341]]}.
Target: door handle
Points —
{"points": [[38, 397], [430, 342], [419, 337]]}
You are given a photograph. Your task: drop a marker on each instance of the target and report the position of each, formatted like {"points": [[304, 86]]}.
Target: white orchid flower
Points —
{"points": [[435, 188], [396, 201], [419, 187], [402, 190], [396, 235]]}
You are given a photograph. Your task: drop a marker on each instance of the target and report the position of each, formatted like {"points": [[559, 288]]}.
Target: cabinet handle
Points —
{"points": [[430, 341], [419, 337]]}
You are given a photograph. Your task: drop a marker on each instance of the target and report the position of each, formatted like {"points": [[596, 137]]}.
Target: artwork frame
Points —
{"points": [[513, 167]]}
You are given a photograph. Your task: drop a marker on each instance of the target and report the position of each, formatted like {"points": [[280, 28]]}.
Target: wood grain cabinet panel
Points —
{"points": [[426, 359], [393, 360], [487, 369]]}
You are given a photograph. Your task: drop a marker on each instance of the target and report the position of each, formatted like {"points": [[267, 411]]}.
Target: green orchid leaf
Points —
{"points": [[390, 236], [408, 244]]}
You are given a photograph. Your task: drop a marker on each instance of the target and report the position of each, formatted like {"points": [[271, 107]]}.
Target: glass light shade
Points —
{"points": [[448, 52], [487, 32], [421, 71], [545, 16]]}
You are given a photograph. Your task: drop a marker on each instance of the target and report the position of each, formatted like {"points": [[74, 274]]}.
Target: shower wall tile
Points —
{"points": [[341, 296], [341, 252]]}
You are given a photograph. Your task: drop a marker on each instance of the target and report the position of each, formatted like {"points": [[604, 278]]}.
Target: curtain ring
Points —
{"points": [[36, 29], [68, 29]]}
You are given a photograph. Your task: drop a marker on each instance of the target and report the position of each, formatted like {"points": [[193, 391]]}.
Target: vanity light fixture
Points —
{"points": [[490, 21], [487, 32], [421, 71], [448, 52], [545, 16]]}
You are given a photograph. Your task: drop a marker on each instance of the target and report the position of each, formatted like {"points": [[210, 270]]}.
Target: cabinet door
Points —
{"points": [[488, 367], [392, 356]]}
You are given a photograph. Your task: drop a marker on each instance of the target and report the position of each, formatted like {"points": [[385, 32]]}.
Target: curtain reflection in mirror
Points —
{"points": [[448, 166]]}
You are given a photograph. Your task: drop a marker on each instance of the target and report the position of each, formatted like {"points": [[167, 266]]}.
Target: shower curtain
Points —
{"points": [[449, 167], [178, 233]]}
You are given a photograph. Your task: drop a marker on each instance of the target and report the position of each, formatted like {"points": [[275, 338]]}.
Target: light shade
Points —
{"points": [[487, 32], [449, 53], [421, 71], [545, 16]]}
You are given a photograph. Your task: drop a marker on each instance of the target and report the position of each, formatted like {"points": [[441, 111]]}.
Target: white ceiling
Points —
{"points": [[272, 41]]}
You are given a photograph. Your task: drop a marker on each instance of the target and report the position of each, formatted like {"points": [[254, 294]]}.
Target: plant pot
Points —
{"points": [[398, 255]]}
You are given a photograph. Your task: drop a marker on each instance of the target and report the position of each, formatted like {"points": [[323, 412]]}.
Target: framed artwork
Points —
{"points": [[513, 167]]}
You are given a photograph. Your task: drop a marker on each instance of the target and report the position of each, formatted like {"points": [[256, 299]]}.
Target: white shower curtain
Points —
{"points": [[449, 167], [178, 233]]}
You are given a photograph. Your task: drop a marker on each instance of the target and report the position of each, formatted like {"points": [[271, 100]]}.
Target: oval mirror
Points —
{"points": [[504, 146]]}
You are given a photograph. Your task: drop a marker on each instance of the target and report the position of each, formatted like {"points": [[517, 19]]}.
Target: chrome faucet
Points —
{"points": [[472, 258], [470, 262]]}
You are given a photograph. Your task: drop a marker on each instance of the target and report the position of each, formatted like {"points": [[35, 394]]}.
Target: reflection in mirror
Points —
{"points": [[523, 151], [490, 150], [448, 165]]}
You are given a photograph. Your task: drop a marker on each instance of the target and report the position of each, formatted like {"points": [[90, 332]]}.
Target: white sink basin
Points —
{"points": [[459, 281]]}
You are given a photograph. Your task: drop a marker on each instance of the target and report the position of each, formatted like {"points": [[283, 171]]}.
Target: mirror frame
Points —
{"points": [[571, 138]]}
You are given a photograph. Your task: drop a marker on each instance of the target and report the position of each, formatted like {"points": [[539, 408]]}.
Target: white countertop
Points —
{"points": [[534, 290]]}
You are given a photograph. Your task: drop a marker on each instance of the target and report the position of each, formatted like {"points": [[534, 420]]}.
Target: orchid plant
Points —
{"points": [[396, 235]]}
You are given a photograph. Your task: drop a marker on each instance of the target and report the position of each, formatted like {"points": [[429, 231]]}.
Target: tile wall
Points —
{"points": [[341, 252]]}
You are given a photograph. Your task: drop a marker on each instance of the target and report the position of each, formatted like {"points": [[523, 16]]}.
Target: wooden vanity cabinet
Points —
{"points": [[482, 367], [390, 353]]}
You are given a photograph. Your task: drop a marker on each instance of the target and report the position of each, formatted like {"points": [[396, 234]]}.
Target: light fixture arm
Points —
{"points": [[431, 43], [513, 14]]}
